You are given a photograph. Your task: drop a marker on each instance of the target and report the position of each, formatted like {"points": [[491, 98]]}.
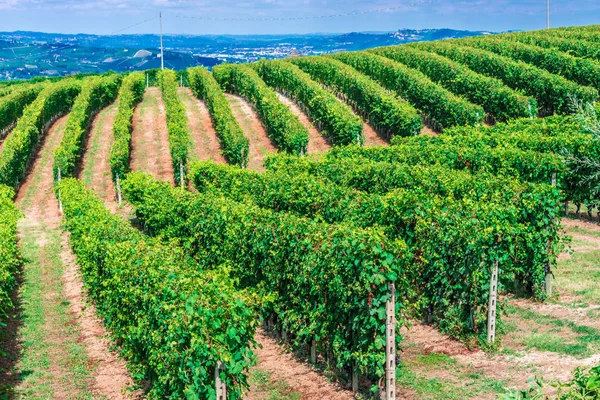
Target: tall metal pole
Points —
{"points": [[548, 14], [162, 56]]}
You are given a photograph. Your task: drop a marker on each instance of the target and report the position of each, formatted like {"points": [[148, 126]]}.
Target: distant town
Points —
{"points": [[28, 54]]}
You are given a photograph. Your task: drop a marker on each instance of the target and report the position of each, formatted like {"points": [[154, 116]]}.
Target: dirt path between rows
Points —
{"points": [[95, 173], [68, 354], [150, 152], [299, 376], [580, 223], [317, 143], [371, 137], [425, 130], [205, 142], [260, 143]]}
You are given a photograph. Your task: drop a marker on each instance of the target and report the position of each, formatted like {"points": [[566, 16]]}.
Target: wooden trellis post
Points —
{"points": [[60, 208], [181, 181], [547, 270], [390, 344], [491, 328], [220, 386], [355, 377], [530, 110], [119, 195]]}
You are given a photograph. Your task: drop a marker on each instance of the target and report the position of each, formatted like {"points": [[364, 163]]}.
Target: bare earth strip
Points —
{"points": [[317, 143], [205, 142], [371, 137], [96, 173], [425, 130], [298, 376], [260, 143], [64, 354], [150, 151]]}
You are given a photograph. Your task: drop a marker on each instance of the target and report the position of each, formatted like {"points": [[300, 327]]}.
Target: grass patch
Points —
{"points": [[459, 385], [594, 313], [579, 276], [555, 335], [433, 361], [33, 368], [52, 355], [575, 304], [583, 231], [261, 382]]}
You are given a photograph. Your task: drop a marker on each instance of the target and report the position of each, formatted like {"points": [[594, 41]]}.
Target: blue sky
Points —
{"points": [[180, 16]]}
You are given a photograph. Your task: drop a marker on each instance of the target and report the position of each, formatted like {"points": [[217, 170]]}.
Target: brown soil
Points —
{"points": [[150, 151], [429, 340], [299, 376], [580, 223], [205, 142], [42, 218], [425, 130], [96, 160], [317, 143], [41, 177], [371, 137], [260, 143]]}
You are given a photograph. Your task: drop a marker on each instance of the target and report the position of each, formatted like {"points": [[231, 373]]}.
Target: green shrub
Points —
{"points": [[10, 256], [443, 107], [580, 70], [130, 94], [172, 320], [337, 119], [14, 102], [95, 94], [179, 138], [498, 100], [55, 100], [327, 282], [234, 144], [282, 126], [385, 112], [552, 92]]}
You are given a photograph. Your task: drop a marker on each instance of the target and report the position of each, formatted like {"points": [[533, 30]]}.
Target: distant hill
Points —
{"points": [[27, 54]]}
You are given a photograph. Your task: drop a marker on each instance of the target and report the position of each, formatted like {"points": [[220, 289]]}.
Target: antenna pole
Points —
{"points": [[162, 56], [547, 14]]}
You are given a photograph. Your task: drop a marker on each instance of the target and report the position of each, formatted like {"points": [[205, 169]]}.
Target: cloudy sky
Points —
{"points": [[211, 16]]}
